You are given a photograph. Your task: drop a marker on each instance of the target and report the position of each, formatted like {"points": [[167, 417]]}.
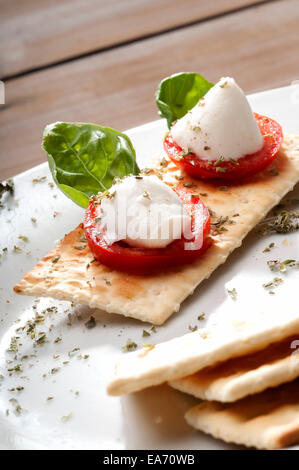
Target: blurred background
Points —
{"points": [[101, 60]]}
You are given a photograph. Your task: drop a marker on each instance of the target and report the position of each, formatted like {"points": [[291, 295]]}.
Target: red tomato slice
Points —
{"points": [[123, 257], [230, 170]]}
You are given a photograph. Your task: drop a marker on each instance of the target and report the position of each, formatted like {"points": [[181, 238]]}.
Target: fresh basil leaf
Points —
{"points": [[178, 94], [84, 159]]}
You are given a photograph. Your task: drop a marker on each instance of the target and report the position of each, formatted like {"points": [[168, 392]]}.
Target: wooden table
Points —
{"points": [[101, 60]]}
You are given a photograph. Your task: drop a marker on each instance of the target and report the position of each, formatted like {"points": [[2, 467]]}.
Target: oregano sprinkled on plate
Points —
{"points": [[268, 248], [73, 352], [192, 328], [145, 333], [233, 293], [285, 222], [39, 180], [65, 418], [282, 266], [129, 346], [23, 238], [13, 344], [274, 283], [91, 323]]}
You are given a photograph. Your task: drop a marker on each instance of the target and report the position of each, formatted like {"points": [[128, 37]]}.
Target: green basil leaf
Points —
{"points": [[84, 159], [177, 94]]}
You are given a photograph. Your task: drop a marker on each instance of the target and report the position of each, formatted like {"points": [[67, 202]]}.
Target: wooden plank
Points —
{"points": [[39, 32], [116, 88]]}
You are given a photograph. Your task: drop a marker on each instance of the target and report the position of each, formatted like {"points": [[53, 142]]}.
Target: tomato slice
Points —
{"points": [[123, 257], [230, 170]]}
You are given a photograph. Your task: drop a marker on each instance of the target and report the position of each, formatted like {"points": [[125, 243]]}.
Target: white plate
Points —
{"points": [[154, 418]]}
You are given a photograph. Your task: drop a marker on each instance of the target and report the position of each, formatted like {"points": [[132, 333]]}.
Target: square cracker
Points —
{"points": [[246, 375], [269, 420], [185, 355], [153, 298]]}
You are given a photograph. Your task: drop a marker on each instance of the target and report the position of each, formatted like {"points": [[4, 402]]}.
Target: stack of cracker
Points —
{"points": [[246, 373]]}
